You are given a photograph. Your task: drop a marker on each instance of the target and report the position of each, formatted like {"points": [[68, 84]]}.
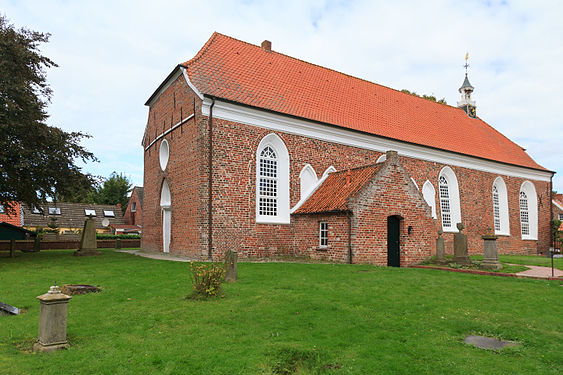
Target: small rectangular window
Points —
{"points": [[323, 234], [89, 212], [133, 206], [2, 210], [36, 210], [109, 213], [54, 211], [561, 217]]}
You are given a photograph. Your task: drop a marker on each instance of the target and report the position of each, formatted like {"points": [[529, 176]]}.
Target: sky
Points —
{"points": [[112, 55]]}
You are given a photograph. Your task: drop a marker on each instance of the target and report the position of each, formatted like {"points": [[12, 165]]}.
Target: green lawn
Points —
{"points": [[318, 318]]}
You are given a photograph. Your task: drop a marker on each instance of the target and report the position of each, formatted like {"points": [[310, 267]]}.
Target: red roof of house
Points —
{"points": [[336, 190], [230, 69]]}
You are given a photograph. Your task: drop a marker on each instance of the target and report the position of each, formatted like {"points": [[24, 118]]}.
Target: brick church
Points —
{"points": [[248, 149]]}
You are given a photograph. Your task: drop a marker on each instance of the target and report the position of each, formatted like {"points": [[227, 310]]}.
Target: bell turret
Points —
{"points": [[465, 90]]}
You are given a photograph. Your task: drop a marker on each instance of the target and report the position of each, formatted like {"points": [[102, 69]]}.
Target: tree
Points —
{"points": [[114, 190], [432, 98], [37, 161]]}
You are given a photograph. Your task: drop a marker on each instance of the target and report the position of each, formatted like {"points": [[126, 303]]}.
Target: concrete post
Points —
{"points": [[12, 248], [231, 272], [52, 321], [118, 243], [37, 244]]}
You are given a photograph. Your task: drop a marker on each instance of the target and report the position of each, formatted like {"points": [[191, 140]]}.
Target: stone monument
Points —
{"points": [[440, 248], [490, 256], [461, 253], [52, 321], [231, 272], [88, 244]]}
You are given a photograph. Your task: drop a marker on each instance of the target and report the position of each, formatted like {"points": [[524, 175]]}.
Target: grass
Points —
{"points": [[506, 268], [279, 318]]}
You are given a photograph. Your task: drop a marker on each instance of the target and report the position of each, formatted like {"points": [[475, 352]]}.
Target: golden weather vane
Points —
{"points": [[466, 63]]}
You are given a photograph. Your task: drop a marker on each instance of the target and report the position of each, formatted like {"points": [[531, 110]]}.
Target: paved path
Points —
{"points": [[537, 271], [159, 256]]}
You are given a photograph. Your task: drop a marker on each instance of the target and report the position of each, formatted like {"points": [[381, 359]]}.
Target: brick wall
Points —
{"points": [[234, 163], [307, 237]]}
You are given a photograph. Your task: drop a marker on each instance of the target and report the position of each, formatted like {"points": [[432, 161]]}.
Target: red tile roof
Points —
{"points": [[335, 191], [241, 72]]}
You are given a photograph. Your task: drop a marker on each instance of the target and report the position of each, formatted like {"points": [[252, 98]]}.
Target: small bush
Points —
{"points": [[206, 279]]}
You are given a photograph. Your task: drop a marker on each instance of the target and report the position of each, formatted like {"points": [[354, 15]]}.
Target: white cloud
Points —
{"points": [[113, 54]]}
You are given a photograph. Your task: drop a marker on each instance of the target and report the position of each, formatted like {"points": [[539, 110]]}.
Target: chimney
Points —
{"points": [[267, 46], [348, 176]]}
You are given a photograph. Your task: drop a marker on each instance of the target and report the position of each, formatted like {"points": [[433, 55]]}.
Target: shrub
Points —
{"points": [[206, 279]]}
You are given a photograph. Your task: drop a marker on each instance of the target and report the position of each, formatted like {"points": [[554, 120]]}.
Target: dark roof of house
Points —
{"points": [[334, 193], [72, 215], [16, 228], [241, 72]]}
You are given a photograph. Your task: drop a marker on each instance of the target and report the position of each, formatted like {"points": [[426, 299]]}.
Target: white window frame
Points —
{"points": [[532, 199], [503, 215], [429, 194], [2, 209], [453, 199], [109, 213], [54, 211], [89, 212], [323, 234], [282, 210], [133, 206]]}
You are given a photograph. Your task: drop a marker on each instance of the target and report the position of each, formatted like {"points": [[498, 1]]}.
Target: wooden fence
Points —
{"points": [[27, 245]]}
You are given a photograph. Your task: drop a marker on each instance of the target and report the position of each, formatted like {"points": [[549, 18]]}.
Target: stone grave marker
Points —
{"points": [[6, 309], [440, 248], [490, 256], [231, 271], [52, 321], [461, 252], [88, 244]]}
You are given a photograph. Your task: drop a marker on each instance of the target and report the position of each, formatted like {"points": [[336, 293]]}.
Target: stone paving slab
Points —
{"points": [[160, 256], [488, 342]]}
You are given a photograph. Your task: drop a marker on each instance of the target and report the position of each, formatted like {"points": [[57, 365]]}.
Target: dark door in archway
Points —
{"points": [[393, 245]]}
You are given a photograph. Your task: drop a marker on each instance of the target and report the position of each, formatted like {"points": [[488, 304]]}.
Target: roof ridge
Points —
{"points": [[355, 168]]}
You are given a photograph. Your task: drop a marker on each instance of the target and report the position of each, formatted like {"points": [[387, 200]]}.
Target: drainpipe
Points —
{"points": [[349, 216], [210, 182]]}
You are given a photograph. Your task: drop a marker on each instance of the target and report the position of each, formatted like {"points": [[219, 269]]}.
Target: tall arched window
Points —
{"points": [[429, 195], [528, 211], [449, 200], [272, 181], [500, 207]]}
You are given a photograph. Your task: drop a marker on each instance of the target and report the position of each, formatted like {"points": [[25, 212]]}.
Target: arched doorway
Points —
{"points": [[165, 204], [393, 241]]}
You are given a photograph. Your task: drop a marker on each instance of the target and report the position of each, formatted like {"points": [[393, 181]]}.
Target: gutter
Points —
{"points": [[349, 216], [210, 183]]}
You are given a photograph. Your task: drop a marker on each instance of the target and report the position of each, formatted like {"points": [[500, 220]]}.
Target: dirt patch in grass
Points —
{"points": [[287, 361]]}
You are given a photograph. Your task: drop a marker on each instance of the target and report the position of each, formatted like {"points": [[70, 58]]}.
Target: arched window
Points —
{"points": [[328, 171], [528, 211], [163, 154], [449, 200], [165, 204], [429, 195], [500, 207], [415, 184], [308, 180], [272, 181]]}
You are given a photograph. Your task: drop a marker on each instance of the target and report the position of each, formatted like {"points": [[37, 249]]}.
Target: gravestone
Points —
{"points": [[37, 244], [490, 256], [52, 321], [118, 243], [461, 252], [88, 244], [6, 309], [12, 248], [231, 272], [440, 248]]}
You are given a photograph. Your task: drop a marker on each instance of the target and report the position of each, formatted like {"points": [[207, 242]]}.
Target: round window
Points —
{"points": [[164, 154]]}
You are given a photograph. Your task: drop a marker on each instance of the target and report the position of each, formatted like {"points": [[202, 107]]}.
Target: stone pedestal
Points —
{"points": [[88, 244], [461, 252], [440, 248], [231, 272], [52, 321], [490, 257]]}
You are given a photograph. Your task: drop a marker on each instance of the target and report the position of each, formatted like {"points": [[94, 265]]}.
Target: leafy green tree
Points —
{"points": [[114, 190], [37, 161], [432, 98]]}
